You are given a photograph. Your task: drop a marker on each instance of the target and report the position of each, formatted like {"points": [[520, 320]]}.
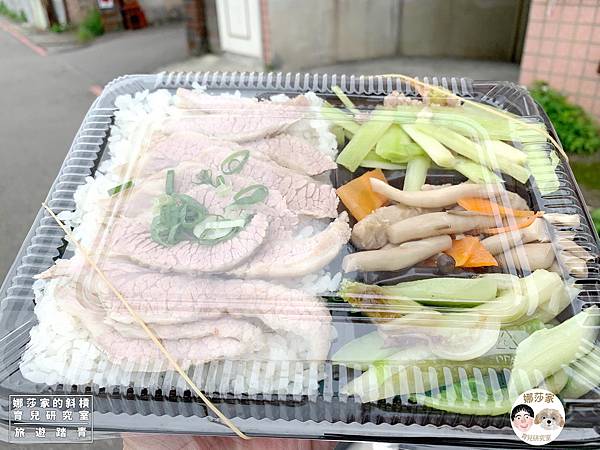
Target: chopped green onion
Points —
{"points": [[250, 195], [120, 188], [170, 185], [235, 162]]}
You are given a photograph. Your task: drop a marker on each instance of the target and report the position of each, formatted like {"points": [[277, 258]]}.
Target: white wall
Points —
{"points": [[36, 15]]}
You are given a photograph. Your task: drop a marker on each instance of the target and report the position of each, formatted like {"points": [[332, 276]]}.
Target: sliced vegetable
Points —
{"points": [[547, 351], [519, 224], [476, 172], [397, 146], [504, 150], [455, 292], [339, 118], [358, 196], [364, 140], [345, 100], [374, 161], [120, 188], [480, 257], [416, 173], [584, 375], [436, 151], [362, 351], [485, 206], [462, 249]]}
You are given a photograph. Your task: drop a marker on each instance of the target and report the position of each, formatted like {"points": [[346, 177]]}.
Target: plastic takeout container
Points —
{"points": [[263, 391]]}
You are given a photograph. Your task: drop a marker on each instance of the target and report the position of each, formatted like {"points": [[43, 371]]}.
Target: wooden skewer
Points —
{"points": [[145, 327]]}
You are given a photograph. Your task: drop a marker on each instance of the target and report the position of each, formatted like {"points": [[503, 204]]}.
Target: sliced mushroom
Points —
{"points": [[569, 245], [563, 220], [435, 224], [396, 258], [528, 257], [370, 232], [514, 200], [435, 198], [498, 243], [576, 266]]}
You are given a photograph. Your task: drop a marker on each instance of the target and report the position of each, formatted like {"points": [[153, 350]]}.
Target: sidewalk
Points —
{"points": [[411, 66]]}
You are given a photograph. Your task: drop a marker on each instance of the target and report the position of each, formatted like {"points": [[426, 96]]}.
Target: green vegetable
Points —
{"points": [[377, 301], [177, 213], [235, 162], [205, 177], [374, 161], [472, 397], [436, 151], [340, 118], [596, 219], [120, 188], [503, 150], [474, 152], [250, 195], [170, 184], [364, 139], [340, 137], [547, 351], [584, 375], [363, 351], [476, 172], [345, 100], [578, 131], [453, 292], [396, 146], [416, 173]]}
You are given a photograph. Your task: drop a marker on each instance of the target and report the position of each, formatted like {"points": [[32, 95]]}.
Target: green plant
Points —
{"points": [[91, 26], [596, 218], [57, 28], [13, 15], [578, 131]]}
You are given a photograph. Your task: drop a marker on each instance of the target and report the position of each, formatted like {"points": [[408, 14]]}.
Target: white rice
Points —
{"points": [[61, 350]]}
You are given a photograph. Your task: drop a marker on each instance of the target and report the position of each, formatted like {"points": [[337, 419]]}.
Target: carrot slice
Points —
{"points": [[520, 224], [480, 257], [489, 208], [358, 197], [462, 249]]}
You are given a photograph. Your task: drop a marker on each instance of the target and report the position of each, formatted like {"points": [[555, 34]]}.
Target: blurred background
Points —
{"points": [[58, 54]]}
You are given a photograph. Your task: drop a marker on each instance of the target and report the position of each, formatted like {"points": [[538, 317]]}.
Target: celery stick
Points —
{"points": [[469, 149], [503, 150], [374, 161], [476, 172], [436, 151], [338, 132], [416, 172], [345, 100], [396, 146], [339, 117], [547, 351], [584, 375], [364, 139]]}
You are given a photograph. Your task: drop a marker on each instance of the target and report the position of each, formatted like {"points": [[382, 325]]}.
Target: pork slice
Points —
{"points": [[287, 257], [286, 150], [294, 153], [235, 127], [302, 194], [166, 298], [130, 238]]}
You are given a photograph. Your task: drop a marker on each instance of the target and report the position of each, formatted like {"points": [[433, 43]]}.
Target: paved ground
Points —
{"points": [[43, 100]]}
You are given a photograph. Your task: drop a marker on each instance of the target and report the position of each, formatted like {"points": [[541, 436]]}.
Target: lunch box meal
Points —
{"points": [[310, 256]]}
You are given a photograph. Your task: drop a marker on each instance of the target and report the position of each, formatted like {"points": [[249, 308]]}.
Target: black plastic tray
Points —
{"points": [[327, 415]]}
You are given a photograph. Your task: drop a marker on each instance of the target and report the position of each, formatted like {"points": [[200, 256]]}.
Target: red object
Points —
{"points": [[133, 16]]}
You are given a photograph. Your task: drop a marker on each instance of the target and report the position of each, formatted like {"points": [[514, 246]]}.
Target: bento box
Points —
{"points": [[323, 256]]}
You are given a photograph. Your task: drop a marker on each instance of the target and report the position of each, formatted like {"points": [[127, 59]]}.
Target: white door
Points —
{"points": [[239, 26]]}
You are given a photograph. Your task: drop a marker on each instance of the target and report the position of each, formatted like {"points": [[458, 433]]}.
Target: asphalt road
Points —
{"points": [[43, 100]]}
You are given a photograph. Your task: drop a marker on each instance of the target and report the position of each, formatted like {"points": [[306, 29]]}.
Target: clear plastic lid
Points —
{"points": [[397, 249]]}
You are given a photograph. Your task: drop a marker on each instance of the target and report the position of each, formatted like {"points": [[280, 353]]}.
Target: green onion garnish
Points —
{"points": [[250, 195], [119, 188], [170, 185], [235, 162]]}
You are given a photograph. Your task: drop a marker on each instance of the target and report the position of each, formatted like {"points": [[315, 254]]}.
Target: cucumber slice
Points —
{"points": [[547, 351]]}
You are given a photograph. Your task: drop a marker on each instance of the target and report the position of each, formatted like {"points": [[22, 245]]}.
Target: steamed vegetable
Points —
{"points": [[436, 151], [480, 257], [469, 252], [416, 172], [584, 375], [374, 161], [363, 351], [547, 351], [523, 223], [365, 138], [484, 206], [358, 196], [396, 146]]}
